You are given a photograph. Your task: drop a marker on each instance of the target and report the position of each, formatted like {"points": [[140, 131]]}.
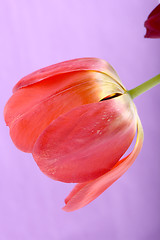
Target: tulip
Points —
{"points": [[152, 24], [77, 120]]}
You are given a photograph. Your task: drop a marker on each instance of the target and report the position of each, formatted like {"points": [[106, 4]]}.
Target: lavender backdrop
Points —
{"points": [[37, 33]]}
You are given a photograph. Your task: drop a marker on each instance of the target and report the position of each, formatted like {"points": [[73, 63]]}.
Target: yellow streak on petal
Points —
{"points": [[92, 189]]}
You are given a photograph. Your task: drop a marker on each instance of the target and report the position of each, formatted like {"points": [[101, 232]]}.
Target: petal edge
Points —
{"points": [[74, 65], [83, 194]]}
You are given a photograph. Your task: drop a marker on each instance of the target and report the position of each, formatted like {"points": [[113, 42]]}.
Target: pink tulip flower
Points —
{"points": [[77, 120], [152, 24]]}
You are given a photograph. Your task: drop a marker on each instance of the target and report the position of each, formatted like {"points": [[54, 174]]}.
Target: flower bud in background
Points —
{"points": [[77, 120], [152, 24]]}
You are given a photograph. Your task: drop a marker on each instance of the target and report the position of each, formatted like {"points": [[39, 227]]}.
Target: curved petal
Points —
{"points": [[30, 110], [88, 141], [155, 11], [152, 24], [80, 64], [26, 98], [84, 193]]}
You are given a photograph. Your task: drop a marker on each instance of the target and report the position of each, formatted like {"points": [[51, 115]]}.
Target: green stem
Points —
{"points": [[144, 86]]}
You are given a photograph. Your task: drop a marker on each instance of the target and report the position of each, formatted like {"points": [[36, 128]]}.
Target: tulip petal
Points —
{"points": [[30, 110], [87, 141], [84, 193], [80, 64], [152, 24]]}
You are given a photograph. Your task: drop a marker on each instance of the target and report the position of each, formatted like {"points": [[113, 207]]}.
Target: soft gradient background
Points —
{"points": [[38, 33]]}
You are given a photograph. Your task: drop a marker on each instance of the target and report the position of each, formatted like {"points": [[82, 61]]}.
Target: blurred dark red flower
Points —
{"points": [[152, 24]]}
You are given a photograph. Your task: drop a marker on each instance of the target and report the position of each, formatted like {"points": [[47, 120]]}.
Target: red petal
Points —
{"points": [[152, 24], [86, 142], [155, 12], [30, 110], [80, 64], [84, 193]]}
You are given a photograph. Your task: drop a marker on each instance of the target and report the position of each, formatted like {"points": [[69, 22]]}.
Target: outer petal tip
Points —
{"points": [[82, 195]]}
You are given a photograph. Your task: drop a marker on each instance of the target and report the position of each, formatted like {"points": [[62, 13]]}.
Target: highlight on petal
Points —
{"points": [[87, 141], [84, 193], [152, 24], [31, 109], [77, 120], [70, 66]]}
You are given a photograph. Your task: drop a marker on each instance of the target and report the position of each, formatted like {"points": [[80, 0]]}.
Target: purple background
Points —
{"points": [[38, 33]]}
